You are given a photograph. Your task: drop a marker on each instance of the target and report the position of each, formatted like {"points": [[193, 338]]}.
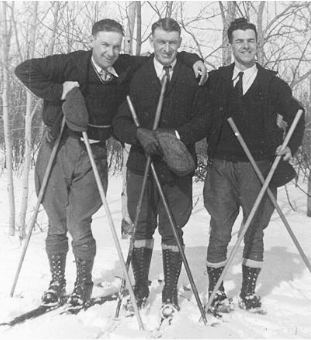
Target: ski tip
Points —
{"points": [[4, 324]]}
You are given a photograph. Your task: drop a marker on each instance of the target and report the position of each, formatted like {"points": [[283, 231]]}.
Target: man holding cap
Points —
{"points": [[87, 87]]}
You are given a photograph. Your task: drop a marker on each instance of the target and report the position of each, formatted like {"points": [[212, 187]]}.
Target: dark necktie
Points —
{"points": [[167, 74], [239, 85]]}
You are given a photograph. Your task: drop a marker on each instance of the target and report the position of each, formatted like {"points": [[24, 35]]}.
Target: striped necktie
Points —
{"points": [[105, 75]]}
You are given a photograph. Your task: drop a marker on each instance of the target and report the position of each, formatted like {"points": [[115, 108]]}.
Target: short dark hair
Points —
{"points": [[166, 24], [240, 24], [107, 25]]}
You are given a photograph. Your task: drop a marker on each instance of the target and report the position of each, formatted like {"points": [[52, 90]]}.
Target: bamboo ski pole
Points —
{"points": [[39, 200], [271, 196], [112, 227], [174, 229], [252, 212], [143, 187]]}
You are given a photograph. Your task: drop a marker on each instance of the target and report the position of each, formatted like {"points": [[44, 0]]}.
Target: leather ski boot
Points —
{"points": [[248, 300], [141, 259], [57, 288], [172, 262], [221, 303], [83, 286]]}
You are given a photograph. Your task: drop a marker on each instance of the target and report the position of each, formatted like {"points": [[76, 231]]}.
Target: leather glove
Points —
{"points": [[148, 141], [170, 131]]}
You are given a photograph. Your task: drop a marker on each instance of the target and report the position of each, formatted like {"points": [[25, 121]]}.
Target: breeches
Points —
{"points": [[229, 186], [153, 213], [71, 196]]}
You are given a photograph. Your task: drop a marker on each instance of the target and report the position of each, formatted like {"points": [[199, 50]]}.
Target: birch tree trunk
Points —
{"points": [[126, 223], [169, 9], [56, 6], [309, 155], [5, 109], [129, 33], [260, 40], [309, 196], [138, 31], [227, 17], [28, 124]]}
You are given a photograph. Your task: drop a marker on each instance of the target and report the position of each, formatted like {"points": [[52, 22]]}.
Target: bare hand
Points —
{"points": [[199, 69], [286, 152], [67, 86]]}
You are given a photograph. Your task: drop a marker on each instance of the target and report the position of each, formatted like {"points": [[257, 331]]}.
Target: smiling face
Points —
{"points": [[106, 48], [244, 48], [165, 45]]}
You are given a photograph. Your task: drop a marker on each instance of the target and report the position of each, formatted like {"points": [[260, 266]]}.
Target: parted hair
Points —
{"points": [[166, 24], [240, 24], [107, 25]]}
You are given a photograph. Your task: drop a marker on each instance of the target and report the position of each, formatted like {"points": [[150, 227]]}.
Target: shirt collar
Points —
{"points": [[109, 69], [159, 67], [248, 73]]}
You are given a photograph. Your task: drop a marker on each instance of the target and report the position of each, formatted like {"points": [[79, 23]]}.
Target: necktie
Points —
{"points": [[105, 75], [239, 85], [167, 74]]}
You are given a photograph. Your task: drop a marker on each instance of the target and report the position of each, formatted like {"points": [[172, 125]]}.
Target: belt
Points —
{"points": [[78, 135]]}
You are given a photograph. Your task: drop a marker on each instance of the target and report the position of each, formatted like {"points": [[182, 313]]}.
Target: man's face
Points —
{"points": [[165, 45], [244, 48], [106, 48]]}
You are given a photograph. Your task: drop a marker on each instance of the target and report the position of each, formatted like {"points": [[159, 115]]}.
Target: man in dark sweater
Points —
{"points": [[255, 98], [102, 76], [182, 113]]}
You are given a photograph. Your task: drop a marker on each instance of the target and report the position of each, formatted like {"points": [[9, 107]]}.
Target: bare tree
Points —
{"points": [[5, 43], [28, 123], [284, 44], [129, 32], [138, 32], [227, 15], [126, 222], [260, 40]]}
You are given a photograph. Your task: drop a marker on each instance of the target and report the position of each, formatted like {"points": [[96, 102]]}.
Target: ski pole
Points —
{"points": [[39, 200], [271, 196], [174, 229], [143, 188], [112, 227], [253, 211]]}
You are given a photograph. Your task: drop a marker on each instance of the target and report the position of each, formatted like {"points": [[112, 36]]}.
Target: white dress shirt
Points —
{"points": [[161, 72], [249, 76], [159, 68], [102, 72]]}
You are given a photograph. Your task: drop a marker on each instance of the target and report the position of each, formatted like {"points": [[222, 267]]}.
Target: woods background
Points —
{"points": [[32, 29]]}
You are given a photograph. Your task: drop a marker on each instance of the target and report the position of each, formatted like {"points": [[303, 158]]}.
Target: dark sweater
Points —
{"points": [[184, 103], [45, 78], [273, 96], [102, 100], [247, 113]]}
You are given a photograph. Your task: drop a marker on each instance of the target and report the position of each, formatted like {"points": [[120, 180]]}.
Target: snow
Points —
{"points": [[284, 283]]}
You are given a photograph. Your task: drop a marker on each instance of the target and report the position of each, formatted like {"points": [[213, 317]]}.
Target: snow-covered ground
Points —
{"points": [[284, 284]]}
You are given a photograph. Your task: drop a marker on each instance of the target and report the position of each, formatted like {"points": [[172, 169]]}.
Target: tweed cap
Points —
{"points": [[75, 110]]}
